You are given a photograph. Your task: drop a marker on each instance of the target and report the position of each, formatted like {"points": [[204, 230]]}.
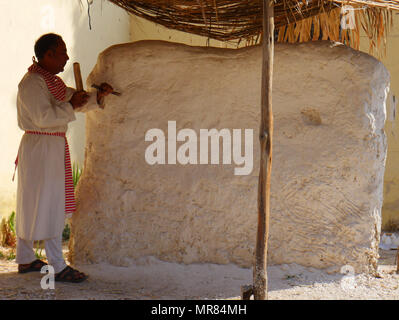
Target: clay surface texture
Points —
{"points": [[329, 151]]}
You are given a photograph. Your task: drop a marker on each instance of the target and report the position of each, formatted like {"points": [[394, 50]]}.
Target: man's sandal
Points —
{"points": [[70, 275], [36, 265]]}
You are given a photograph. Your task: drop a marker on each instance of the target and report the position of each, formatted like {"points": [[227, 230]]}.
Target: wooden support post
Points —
{"points": [[397, 260], [265, 136]]}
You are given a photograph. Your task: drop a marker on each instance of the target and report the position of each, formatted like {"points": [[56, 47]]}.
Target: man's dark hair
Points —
{"points": [[46, 42]]}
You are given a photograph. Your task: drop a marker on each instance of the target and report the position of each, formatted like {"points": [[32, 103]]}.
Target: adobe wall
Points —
{"points": [[329, 151]]}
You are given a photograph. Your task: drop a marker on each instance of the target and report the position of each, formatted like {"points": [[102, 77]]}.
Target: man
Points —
{"points": [[45, 106]]}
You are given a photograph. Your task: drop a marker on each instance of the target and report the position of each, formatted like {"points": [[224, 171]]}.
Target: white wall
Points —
{"points": [[22, 22], [141, 29]]}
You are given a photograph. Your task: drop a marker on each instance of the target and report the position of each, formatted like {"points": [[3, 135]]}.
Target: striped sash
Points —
{"points": [[54, 83], [70, 205]]}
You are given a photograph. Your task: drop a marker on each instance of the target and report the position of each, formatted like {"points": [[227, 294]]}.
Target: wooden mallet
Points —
{"points": [[78, 76], [79, 83]]}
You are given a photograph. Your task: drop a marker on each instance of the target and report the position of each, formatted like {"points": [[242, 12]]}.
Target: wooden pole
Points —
{"points": [[265, 137], [397, 260]]}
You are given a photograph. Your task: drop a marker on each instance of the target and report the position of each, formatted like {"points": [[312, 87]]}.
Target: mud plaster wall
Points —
{"points": [[328, 157]]}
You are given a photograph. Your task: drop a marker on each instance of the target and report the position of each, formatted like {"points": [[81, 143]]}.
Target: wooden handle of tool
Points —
{"points": [[78, 76]]}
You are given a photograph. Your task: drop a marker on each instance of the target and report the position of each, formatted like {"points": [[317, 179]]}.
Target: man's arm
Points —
{"points": [[36, 101], [95, 98]]}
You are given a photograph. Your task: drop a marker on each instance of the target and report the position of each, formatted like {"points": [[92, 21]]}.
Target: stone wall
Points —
{"points": [[329, 153]]}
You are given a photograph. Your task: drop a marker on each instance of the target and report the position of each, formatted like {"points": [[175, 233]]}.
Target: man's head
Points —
{"points": [[51, 52]]}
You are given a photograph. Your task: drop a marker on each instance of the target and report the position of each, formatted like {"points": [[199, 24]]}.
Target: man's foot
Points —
{"points": [[36, 265], [70, 275]]}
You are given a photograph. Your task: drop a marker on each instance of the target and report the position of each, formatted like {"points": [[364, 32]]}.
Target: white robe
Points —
{"points": [[40, 211]]}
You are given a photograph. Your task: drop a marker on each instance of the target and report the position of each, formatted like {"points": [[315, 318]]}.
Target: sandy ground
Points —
{"points": [[150, 278]]}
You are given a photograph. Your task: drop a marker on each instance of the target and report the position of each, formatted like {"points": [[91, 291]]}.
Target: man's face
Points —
{"points": [[58, 57]]}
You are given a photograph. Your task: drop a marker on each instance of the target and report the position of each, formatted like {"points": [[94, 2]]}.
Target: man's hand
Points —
{"points": [[105, 89], [79, 98]]}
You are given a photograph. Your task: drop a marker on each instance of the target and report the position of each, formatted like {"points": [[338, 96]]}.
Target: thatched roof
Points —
{"points": [[295, 20]]}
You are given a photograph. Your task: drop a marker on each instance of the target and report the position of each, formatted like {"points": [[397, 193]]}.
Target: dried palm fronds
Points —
{"points": [[375, 23], [223, 20], [295, 20]]}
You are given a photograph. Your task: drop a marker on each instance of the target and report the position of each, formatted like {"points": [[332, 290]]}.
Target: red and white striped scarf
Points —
{"points": [[54, 83]]}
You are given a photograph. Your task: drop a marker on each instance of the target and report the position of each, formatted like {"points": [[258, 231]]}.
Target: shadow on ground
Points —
{"points": [[152, 279]]}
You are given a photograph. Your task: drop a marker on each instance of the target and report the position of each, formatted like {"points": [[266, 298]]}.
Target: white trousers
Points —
{"points": [[26, 255]]}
